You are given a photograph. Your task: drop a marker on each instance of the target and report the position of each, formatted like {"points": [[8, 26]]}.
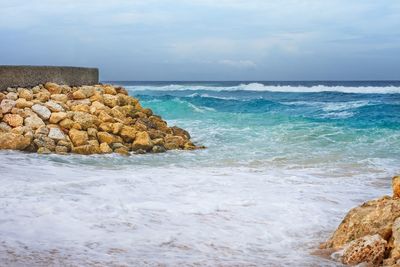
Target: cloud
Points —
{"points": [[241, 64]]}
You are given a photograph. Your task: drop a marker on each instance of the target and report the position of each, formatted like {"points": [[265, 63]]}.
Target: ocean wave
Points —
{"points": [[259, 87]]}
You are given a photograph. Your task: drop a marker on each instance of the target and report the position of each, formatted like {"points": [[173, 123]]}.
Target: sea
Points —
{"points": [[284, 163]]}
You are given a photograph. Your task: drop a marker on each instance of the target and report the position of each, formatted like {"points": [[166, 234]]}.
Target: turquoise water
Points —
{"points": [[284, 163]]}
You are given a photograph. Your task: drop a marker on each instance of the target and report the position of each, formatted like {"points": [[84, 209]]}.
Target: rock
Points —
{"points": [[59, 98], [180, 132], [371, 218], [396, 186], [368, 249], [53, 88], [14, 120], [78, 95], [86, 149], [116, 127], [4, 127], [110, 100], [394, 245], [128, 133], [56, 117], [158, 149], [42, 111], [174, 142], [61, 150], [65, 143], [78, 138], [56, 134], [67, 123], [105, 148], [25, 94], [42, 96], [43, 150], [142, 141], [22, 103], [6, 105], [45, 141], [189, 146], [12, 96], [81, 108], [105, 137], [110, 90], [122, 151], [71, 103], [53, 106], [86, 120], [105, 117], [34, 122], [13, 141]]}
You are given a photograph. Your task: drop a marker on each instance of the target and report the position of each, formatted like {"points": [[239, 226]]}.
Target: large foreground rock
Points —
{"points": [[370, 233]]}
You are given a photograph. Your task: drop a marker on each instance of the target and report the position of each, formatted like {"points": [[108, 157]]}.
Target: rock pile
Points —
{"points": [[370, 233], [98, 119]]}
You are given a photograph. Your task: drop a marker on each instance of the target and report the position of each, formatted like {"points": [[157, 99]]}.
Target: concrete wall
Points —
{"points": [[29, 76]]}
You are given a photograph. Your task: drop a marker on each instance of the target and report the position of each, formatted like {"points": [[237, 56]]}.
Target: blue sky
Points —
{"points": [[207, 40]]}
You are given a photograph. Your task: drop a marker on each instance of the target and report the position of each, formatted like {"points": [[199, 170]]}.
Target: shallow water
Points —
{"points": [[280, 172]]}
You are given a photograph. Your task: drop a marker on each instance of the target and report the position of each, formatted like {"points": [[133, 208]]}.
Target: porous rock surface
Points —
{"points": [[97, 119], [370, 233]]}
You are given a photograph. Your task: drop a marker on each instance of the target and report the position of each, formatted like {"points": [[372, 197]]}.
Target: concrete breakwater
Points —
{"points": [[29, 76]]}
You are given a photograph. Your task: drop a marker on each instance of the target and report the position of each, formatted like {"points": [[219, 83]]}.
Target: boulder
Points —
{"points": [[105, 148], [56, 134], [86, 149], [110, 100], [86, 120], [396, 186], [142, 141], [78, 138], [394, 245], [105, 137], [13, 141], [53, 88], [34, 122], [59, 98], [23, 103], [6, 105], [56, 117], [42, 111], [368, 249], [53, 106], [371, 218], [25, 94], [14, 120]]}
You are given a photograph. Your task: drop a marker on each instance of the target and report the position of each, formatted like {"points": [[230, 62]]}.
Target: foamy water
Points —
{"points": [[279, 174]]}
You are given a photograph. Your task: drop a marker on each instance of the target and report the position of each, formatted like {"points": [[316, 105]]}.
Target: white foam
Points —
{"points": [[284, 88]]}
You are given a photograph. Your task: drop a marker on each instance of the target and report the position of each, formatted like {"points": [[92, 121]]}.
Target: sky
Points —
{"points": [[207, 39]]}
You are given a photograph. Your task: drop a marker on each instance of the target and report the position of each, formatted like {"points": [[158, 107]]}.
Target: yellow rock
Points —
{"points": [[110, 90], [78, 138], [67, 123], [14, 120], [92, 132], [86, 120], [53, 88], [97, 97], [86, 149], [105, 137], [59, 98], [42, 96], [104, 117], [116, 127], [110, 100], [367, 249], [13, 141], [174, 142], [56, 117], [396, 186], [122, 151], [81, 108], [142, 141], [23, 103], [105, 148], [128, 132], [25, 94], [78, 95]]}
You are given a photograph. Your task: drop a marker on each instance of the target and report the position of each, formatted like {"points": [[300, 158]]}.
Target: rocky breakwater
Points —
{"points": [[370, 233], [98, 119]]}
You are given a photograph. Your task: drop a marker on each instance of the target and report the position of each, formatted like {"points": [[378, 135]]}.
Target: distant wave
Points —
{"points": [[258, 87]]}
